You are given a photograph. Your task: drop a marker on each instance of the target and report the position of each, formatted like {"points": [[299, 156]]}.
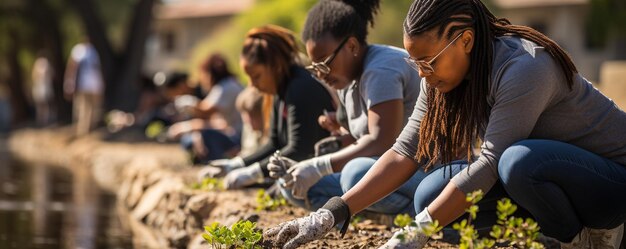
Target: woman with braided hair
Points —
{"points": [[378, 90], [550, 141], [271, 58]]}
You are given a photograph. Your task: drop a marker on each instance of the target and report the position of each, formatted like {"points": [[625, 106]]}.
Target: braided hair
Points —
{"points": [[453, 120], [340, 18]]}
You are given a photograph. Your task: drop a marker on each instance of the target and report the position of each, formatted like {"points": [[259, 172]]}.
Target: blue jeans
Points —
{"points": [[398, 202], [437, 180], [564, 187], [216, 143]]}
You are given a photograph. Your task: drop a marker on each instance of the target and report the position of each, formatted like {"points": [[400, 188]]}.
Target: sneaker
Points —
{"points": [[596, 239], [607, 238], [581, 241]]}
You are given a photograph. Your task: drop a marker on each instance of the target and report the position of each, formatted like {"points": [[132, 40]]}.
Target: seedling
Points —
{"points": [[402, 220], [514, 231], [242, 234], [208, 184], [356, 220], [265, 202]]}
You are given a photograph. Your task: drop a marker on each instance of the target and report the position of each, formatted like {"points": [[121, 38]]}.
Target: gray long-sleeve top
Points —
{"points": [[530, 99]]}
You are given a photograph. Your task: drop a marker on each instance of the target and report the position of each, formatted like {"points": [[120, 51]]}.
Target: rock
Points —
{"points": [[198, 242], [150, 199], [135, 193], [252, 218], [200, 205]]}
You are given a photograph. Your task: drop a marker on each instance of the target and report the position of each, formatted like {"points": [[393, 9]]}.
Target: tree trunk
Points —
{"points": [[121, 71], [21, 108], [126, 90], [47, 22]]}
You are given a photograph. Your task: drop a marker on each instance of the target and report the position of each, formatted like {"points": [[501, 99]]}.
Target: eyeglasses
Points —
{"points": [[323, 68], [426, 66]]}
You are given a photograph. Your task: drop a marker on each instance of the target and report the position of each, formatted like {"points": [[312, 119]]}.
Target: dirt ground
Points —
{"points": [[369, 232], [366, 234]]}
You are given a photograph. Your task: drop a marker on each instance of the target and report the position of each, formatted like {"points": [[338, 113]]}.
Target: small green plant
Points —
{"points": [[242, 234], [514, 231], [266, 202], [154, 129], [432, 230], [356, 220], [208, 184], [402, 220]]}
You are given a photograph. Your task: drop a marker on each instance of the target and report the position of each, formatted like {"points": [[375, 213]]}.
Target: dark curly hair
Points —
{"points": [[340, 18]]}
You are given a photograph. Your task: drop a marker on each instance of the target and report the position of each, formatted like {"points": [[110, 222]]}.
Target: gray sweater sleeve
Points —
{"points": [[524, 88], [406, 143]]}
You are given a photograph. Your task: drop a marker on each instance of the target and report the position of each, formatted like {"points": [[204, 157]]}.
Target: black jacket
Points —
{"points": [[294, 129]]}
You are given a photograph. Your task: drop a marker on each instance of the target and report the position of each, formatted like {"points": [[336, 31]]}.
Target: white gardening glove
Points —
{"points": [[220, 167], [306, 173], [243, 177], [294, 233], [185, 103], [278, 165], [411, 236]]}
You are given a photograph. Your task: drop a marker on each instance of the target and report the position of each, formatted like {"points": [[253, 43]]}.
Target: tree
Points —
{"points": [[291, 14], [29, 26], [121, 69]]}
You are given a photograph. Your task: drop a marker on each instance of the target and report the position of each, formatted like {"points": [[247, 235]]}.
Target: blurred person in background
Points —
{"points": [[42, 91], [250, 105], [214, 132], [84, 86], [254, 133]]}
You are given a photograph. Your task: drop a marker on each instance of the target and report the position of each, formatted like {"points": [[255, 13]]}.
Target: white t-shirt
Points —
{"points": [[224, 96], [88, 75], [386, 76]]}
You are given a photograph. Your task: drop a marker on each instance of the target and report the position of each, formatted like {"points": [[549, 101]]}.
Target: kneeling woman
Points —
{"points": [[551, 141], [378, 90], [270, 57]]}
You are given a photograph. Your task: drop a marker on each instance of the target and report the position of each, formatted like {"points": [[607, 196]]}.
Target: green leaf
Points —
{"points": [[402, 220]]}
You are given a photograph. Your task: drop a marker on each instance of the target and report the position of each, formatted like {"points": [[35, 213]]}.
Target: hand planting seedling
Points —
{"points": [[242, 234]]}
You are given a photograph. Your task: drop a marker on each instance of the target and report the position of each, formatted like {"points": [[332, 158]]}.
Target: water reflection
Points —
{"points": [[52, 207]]}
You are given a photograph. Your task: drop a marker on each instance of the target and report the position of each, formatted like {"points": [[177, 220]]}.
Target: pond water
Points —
{"points": [[53, 207]]}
